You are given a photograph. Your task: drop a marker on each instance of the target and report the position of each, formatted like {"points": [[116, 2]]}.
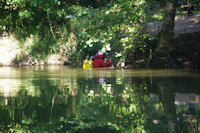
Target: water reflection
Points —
{"points": [[60, 99]]}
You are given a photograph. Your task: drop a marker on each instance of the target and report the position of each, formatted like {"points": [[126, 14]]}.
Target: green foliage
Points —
{"points": [[31, 23], [117, 26]]}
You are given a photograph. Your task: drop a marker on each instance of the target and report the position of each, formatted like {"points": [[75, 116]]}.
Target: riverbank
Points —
{"points": [[187, 30], [186, 54], [9, 50], [13, 55]]}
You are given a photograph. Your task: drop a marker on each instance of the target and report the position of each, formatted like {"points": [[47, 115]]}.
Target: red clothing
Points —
{"points": [[189, 11], [99, 62]]}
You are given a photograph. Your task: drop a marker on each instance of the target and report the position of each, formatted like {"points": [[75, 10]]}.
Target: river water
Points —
{"points": [[75, 100]]}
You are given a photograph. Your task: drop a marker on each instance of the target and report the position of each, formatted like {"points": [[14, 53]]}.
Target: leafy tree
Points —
{"points": [[117, 26]]}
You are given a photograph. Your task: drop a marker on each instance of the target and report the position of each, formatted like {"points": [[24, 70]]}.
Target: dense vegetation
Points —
{"points": [[80, 28], [76, 28]]}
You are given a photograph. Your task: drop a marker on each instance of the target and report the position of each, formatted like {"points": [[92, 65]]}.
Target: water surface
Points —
{"points": [[67, 99]]}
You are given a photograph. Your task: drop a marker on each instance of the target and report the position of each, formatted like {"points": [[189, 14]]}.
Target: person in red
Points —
{"points": [[189, 11], [99, 61]]}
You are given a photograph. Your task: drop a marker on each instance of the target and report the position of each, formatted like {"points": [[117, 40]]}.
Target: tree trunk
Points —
{"points": [[166, 38], [167, 98]]}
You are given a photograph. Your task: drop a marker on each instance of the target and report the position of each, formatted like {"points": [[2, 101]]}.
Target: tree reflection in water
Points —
{"points": [[96, 104]]}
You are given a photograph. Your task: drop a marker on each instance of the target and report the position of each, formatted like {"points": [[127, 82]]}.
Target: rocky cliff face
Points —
{"points": [[186, 50], [183, 25]]}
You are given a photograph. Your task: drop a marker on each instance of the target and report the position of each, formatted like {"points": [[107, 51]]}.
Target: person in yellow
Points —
{"points": [[85, 62], [88, 62]]}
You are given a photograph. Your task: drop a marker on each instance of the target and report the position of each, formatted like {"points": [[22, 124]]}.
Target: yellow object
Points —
{"points": [[90, 64], [85, 63]]}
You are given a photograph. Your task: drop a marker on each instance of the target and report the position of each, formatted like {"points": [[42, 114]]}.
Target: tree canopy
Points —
{"points": [[103, 24]]}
